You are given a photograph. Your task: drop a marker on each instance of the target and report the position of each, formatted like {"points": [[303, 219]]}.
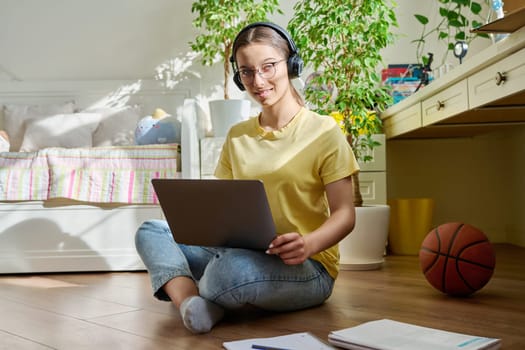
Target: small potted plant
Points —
{"points": [[220, 21], [341, 41]]}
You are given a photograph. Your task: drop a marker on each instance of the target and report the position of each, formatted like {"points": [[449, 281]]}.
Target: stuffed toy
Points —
{"points": [[4, 141], [159, 127]]}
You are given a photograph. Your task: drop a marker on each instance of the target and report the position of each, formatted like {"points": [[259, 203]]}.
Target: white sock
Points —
{"points": [[200, 315]]}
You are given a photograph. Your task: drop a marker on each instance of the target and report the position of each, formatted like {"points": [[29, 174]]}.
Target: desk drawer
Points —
{"points": [[373, 187], [499, 80], [403, 122], [446, 103]]}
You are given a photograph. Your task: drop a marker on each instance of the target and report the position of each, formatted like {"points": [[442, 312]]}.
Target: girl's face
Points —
{"points": [[264, 73]]}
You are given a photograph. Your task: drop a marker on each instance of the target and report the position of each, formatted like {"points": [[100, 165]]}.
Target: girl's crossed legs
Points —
{"points": [[201, 281]]}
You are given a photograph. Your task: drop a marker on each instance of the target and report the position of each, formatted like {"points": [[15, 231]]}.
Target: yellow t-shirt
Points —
{"points": [[294, 163]]}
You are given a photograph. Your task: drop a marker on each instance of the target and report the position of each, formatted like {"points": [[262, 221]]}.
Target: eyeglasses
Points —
{"points": [[267, 71]]}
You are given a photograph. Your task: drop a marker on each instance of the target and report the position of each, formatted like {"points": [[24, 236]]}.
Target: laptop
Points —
{"points": [[216, 212]]}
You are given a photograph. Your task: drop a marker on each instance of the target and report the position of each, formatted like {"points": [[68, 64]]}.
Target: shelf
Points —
{"points": [[510, 23]]}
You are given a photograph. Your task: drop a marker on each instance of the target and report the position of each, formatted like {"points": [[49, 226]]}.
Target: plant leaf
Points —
{"points": [[422, 19]]}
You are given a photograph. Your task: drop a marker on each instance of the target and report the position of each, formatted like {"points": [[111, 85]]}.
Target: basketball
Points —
{"points": [[457, 259]]}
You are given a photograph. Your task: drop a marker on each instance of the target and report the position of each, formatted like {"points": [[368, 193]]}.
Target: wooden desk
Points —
{"points": [[483, 94]]}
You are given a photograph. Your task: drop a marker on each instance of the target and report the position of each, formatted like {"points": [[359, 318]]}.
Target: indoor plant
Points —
{"points": [[341, 40]]}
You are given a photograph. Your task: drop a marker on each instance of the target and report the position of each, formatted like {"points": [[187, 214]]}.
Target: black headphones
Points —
{"points": [[294, 62]]}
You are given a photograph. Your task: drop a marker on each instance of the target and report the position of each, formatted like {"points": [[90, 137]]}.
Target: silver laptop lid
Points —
{"points": [[216, 212]]}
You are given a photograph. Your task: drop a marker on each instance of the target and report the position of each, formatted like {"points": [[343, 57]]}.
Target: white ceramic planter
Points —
{"points": [[364, 248], [225, 113]]}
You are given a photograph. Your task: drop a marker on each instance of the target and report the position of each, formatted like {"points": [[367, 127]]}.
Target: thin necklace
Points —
{"points": [[279, 127]]}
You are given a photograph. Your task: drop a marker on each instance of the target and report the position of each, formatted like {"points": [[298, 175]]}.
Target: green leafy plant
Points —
{"points": [[220, 22], [456, 18], [341, 41]]}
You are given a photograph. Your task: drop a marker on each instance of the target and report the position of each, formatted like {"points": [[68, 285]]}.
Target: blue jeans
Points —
{"points": [[231, 277]]}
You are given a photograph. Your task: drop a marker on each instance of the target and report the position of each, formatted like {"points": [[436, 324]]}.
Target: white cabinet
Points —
{"points": [[372, 178], [498, 80], [373, 187], [210, 150], [487, 89], [444, 104], [403, 121]]}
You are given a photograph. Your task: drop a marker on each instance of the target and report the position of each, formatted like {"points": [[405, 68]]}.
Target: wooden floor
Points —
{"points": [[117, 311]]}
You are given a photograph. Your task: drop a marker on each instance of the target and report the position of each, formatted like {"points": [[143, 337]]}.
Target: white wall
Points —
{"points": [[131, 39], [101, 39], [404, 51], [96, 39]]}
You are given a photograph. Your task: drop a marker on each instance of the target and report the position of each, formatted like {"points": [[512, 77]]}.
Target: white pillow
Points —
{"points": [[61, 130], [16, 114], [4, 141], [117, 125]]}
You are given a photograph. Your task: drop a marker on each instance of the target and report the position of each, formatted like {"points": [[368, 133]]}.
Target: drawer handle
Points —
{"points": [[500, 78], [440, 105]]}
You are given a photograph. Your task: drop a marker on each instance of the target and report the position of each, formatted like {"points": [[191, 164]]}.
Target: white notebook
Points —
{"points": [[392, 335]]}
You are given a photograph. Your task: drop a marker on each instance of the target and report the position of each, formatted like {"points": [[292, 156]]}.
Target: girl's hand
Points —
{"points": [[291, 248]]}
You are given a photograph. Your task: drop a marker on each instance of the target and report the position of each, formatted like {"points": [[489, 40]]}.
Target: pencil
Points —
{"points": [[264, 347]]}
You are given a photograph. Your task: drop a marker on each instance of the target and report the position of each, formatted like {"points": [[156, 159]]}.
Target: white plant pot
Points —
{"points": [[225, 113], [364, 248]]}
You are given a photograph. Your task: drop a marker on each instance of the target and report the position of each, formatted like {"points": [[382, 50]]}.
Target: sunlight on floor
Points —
{"points": [[37, 282]]}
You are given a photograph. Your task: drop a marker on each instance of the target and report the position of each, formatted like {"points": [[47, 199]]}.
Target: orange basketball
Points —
{"points": [[457, 259]]}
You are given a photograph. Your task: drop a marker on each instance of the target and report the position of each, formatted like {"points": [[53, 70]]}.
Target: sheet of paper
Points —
{"points": [[295, 341]]}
